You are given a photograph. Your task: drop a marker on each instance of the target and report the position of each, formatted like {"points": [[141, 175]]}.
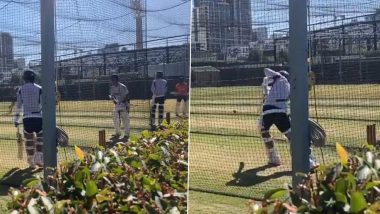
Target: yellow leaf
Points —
{"points": [[79, 153], [343, 154]]}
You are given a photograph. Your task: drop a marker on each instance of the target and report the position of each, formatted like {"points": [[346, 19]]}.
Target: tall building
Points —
{"points": [[6, 52], [374, 17], [211, 25], [219, 24], [20, 63], [196, 3], [198, 30], [138, 7], [242, 21], [259, 34]]}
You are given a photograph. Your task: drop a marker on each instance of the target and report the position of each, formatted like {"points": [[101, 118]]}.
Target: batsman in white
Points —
{"points": [[29, 104], [159, 89], [275, 112], [119, 95]]}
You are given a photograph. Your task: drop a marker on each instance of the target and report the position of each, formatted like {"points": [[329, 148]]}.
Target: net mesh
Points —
{"points": [[226, 97], [94, 39]]}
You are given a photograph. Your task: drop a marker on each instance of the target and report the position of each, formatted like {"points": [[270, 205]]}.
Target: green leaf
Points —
{"points": [[339, 197], [157, 187], [83, 174], [154, 157], [91, 188], [101, 175], [133, 138], [101, 198], [148, 181], [135, 209], [351, 181], [59, 205], [165, 123], [145, 134], [79, 185], [124, 208], [275, 193], [31, 182], [135, 164], [343, 154], [118, 171], [358, 202], [341, 186], [371, 184]]}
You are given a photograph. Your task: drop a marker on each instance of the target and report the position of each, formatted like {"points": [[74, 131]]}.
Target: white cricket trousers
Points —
{"points": [[121, 117]]}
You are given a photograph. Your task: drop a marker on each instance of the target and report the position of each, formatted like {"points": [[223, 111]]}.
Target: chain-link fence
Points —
{"points": [[227, 92], [94, 39]]}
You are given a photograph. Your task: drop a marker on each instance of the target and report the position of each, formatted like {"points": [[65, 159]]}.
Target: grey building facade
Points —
{"points": [[241, 15], [6, 52], [219, 24]]}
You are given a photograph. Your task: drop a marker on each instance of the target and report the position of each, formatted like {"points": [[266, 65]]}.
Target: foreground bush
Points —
{"points": [[146, 175], [351, 186]]}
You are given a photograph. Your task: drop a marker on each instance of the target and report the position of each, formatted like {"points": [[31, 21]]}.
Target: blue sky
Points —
{"points": [[90, 24]]}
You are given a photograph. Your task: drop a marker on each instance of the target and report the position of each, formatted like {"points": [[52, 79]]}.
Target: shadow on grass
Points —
{"points": [[250, 178], [15, 178]]}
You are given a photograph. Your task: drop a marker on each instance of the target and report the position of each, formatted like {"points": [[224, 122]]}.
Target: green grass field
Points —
{"points": [[223, 134], [82, 120], [200, 202]]}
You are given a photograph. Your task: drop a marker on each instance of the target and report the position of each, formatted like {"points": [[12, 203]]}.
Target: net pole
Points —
{"points": [[48, 85], [299, 88]]}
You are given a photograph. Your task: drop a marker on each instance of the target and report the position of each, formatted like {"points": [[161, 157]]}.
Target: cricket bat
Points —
{"points": [[174, 93], [20, 145]]}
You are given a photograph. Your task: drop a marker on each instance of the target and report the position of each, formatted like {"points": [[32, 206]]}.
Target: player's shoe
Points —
{"points": [[115, 136], [125, 138]]}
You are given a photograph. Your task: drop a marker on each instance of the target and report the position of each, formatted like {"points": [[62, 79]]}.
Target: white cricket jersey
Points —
{"points": [[119, 93], [29, 101], [278, 96], [159, 88]]}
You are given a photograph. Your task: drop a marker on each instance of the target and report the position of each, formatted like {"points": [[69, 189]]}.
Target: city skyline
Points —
{"points": [[85, 25], [273, 17]]}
